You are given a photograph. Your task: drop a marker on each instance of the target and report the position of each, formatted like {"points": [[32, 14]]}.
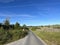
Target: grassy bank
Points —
{"points": [[51, 38], [11, 35]]}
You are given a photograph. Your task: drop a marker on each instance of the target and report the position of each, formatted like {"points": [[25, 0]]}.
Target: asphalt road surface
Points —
{"points": [[30, 39]]}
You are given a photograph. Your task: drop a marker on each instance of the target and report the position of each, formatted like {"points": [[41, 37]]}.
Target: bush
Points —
{"points": [[9, 33]]}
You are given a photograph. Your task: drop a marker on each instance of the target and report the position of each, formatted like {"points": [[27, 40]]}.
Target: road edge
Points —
{"points": [[39, 38]]}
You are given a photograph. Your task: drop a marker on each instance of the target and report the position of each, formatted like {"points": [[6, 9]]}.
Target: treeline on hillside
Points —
{"points": [[54, 27], [11, 32]]}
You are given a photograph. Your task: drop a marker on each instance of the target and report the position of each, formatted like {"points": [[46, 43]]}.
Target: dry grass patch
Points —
{"points": [[51, 38]]}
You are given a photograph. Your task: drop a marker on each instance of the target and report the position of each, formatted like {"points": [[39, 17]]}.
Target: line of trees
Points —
{"points": [[7, 26]]}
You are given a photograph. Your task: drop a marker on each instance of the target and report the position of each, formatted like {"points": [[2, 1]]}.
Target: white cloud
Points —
{"points": [[16, 15], [6, 1]]}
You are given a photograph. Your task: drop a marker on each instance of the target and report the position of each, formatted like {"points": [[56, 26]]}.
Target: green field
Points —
{"points": [[51, 38]]}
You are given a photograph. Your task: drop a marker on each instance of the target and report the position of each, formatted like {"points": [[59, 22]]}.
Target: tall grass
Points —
{"points": [[51, 38]]}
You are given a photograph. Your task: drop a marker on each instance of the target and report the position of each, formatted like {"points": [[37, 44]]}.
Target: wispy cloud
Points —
{"points": [[6, 1], [16, 15]]}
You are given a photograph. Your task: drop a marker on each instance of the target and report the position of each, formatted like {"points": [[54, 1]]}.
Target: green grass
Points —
{"points": [[51, 38]]}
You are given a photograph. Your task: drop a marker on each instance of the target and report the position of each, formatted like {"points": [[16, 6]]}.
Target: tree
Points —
{"points": [[6, 23], [12, 26], [0, 25], [24, 26], [17, 25]]}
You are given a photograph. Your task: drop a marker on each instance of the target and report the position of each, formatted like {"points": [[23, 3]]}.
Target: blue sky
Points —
{"points": [[30, 12]]}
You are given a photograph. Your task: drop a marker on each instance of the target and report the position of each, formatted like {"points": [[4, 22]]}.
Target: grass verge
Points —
{"points": [[51, 38]]}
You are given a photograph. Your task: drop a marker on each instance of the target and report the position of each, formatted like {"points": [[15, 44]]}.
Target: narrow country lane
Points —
{"points": [[30, 39]]}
